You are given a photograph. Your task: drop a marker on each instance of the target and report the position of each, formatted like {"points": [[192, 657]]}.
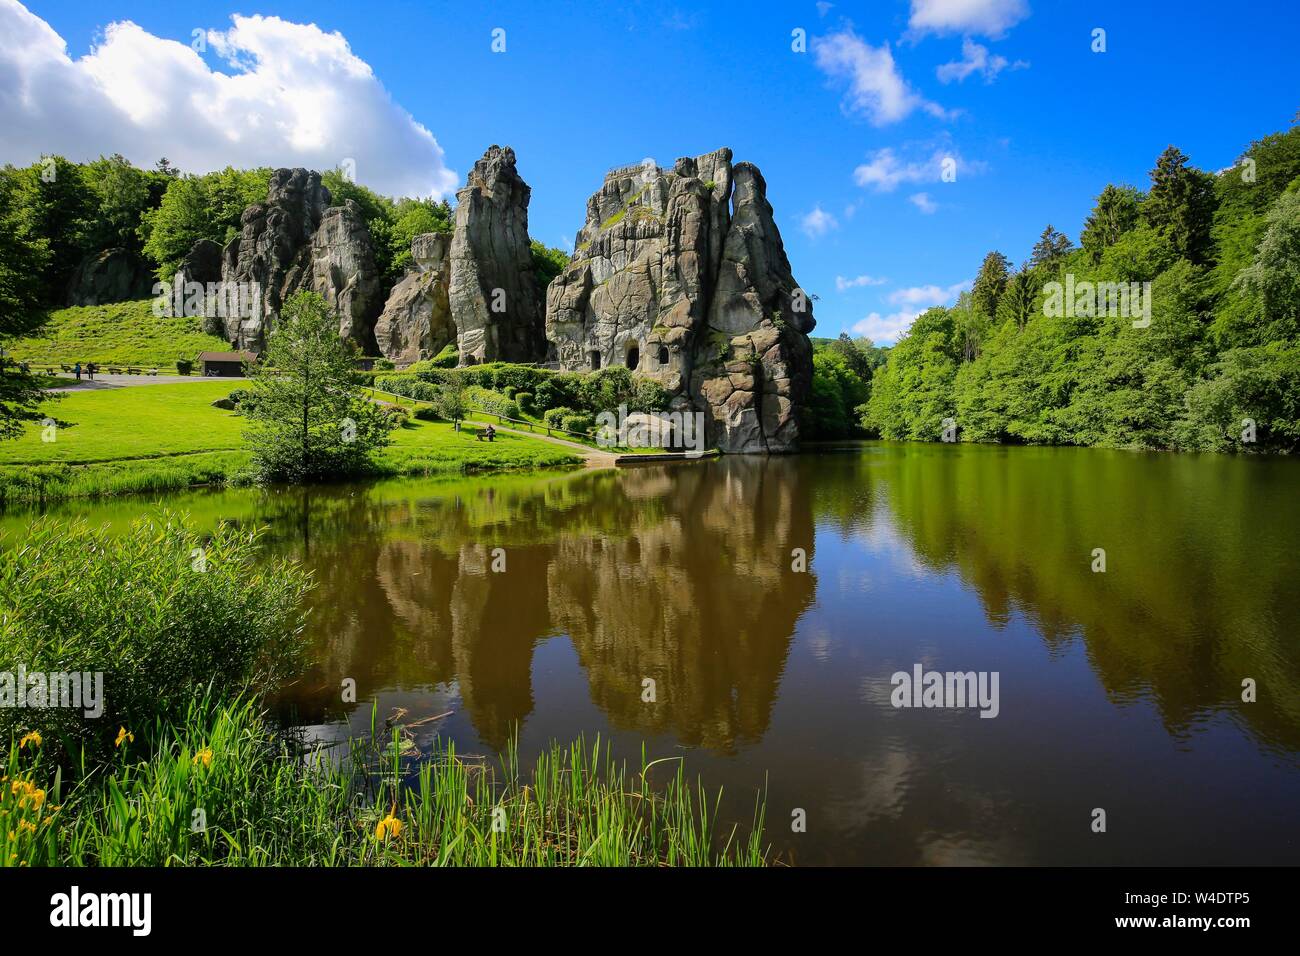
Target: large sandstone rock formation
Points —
{"points": [[294, 241], [112, 275], [492, 290], [416, 322], [681, 276]]}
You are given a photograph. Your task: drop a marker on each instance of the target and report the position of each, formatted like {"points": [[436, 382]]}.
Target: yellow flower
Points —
{"points": [[33, 738], [388, 826], [204, 757], [123, 734]]}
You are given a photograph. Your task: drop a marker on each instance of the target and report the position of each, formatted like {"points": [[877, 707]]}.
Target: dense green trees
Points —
{"points": [[1216, 368], [24, 257], [1116, 213], [199, 207], [841, 384], [547, 263]]}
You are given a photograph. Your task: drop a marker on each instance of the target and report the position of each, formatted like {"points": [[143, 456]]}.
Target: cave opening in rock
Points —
{"points": [[595, 360], [633, 358], [663, 355]]}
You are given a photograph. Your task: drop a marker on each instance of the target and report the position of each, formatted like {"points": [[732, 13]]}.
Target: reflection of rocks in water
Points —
{"points": [[681, 574], [702, 600], [497, 620]]}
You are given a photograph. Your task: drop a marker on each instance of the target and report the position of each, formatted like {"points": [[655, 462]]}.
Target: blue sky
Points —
{"points": [[849, 134]]}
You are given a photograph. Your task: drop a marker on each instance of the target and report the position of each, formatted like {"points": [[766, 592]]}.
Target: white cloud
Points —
{"points": [[823, 8], [885, 329], [842, 284], [923, 202], [885, 170], [928, 295], [990, 18], [875, 87], [911, 302], [818, 222], [976, 59], [293, 95]]}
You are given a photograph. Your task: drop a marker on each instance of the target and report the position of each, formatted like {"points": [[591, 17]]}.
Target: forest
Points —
{"points": [[1215, 367]]}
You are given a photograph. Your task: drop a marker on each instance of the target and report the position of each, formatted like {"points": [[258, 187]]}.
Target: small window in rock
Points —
{"points": [[663, 355]]}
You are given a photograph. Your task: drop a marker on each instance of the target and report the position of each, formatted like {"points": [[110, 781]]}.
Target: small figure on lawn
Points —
{"points": [[490, 432]]}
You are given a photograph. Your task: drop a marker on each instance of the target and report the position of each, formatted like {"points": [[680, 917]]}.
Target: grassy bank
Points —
{"points": [[183, 768], [120, 333], [157, 438]]}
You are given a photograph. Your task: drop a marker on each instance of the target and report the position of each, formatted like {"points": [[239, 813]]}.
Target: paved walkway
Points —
{"points": [[593, 457], [102, 381]]}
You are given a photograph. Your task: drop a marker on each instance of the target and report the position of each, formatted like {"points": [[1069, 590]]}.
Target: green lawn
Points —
{"points": [[143, 421], [122, 333], [164, 437]]}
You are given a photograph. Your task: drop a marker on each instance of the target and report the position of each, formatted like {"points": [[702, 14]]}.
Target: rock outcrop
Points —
{"points": [[416, 322], [681, 276], [294, 241], [201, 265], [492, 291], [343, 271], [113, 275]]}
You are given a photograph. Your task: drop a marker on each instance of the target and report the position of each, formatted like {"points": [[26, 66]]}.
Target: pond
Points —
{"points": [[748, 615]]}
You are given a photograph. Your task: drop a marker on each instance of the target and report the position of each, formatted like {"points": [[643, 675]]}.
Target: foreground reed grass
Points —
{"points": [[177, 765], [149, 617], [222, 789]]}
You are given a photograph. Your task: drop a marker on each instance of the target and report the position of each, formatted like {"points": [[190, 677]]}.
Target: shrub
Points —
{"points": [[407, 386], [555, 416], [184, 366], [160, 612], [525, 402], [396, 416], [558, 391], [581, 422], [490, 401]]}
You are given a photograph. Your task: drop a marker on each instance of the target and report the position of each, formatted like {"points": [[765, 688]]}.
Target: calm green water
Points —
{"points": [[1119, 690]]}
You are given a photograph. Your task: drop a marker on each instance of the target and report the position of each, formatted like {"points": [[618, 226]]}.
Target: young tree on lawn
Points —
{"points": [[308, 422], [450, 403]]}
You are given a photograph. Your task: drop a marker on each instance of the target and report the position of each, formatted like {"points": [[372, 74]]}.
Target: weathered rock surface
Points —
{"points": [[492, 291], [296, 240], [201, 265], [416, 322], [681, 276], [343, 271], [113, 275]]}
